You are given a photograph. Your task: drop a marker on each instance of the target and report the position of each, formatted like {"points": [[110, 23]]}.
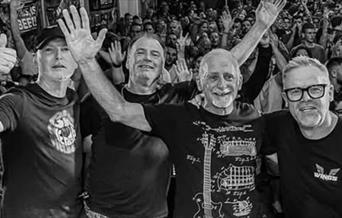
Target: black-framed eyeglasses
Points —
{"points": [[314, 91]]}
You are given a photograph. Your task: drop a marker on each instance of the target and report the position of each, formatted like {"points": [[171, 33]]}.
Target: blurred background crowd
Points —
{"points": [[190, 29]]}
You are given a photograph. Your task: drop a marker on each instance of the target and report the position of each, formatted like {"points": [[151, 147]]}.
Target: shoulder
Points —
{"points": [[318, 46], [297, 46], [170, 109], [278, 117], [182, 87], [15, 92]]}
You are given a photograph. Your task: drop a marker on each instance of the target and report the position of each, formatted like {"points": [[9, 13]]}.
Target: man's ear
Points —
{"points": [[331, 93], [128, 60], [240, 82], [283, 95], [199, 83], [333, 73], [35, 58]]}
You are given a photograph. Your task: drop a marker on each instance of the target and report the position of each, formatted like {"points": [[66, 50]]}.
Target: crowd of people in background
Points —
{"points": [[187, 31]]}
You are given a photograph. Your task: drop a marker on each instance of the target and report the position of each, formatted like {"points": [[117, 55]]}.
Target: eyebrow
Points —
{"points": [[144, 49]]}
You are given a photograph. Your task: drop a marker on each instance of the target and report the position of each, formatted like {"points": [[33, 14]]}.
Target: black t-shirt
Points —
{"points": [[129, 171], [42, 153], [213, 155], [310, 170]]}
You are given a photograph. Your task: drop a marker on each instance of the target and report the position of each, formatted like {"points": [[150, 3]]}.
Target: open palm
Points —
{"points": [[78, 35], [268, 11]]}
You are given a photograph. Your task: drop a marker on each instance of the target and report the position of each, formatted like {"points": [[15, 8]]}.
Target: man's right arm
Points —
{"points": [[8, 103], [19, 42], [119, 110], [84, 48]]}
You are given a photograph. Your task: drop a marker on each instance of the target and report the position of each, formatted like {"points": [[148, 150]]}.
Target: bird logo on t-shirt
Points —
{"points": [[326, 177]]}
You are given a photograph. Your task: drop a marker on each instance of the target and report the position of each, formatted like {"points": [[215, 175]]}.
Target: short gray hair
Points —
{"points": [[304, 61]]}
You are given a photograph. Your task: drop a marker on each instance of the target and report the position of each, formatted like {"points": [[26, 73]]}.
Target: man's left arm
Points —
{"points": [[266, 14]]}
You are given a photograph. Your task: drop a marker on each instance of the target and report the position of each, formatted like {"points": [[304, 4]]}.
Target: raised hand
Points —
{"points": [[267, 11], [274, 39], [16, 4], [226, 20], [182, 71], [198, 100], [77, 34], [8, 56], [183, 40], [116, 54]]}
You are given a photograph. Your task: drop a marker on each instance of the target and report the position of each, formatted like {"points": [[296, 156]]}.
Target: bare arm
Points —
{"points": [[115, 70], [181, 43], [324, 36], [280, 59], [119, 110], [289, 44], [8, 57], [19, 42], [307, 11], [266, 14], [227, 23], [272, 164], [84, 48]]}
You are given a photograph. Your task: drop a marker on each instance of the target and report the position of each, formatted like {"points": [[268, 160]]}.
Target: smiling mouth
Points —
{"points": [[307, 109], [146, 67], [222, 94]]}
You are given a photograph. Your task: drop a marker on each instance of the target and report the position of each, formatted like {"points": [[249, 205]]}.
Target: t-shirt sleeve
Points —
{"points": [[11, 107], [91, 117], [188, 89], [162, 119]]}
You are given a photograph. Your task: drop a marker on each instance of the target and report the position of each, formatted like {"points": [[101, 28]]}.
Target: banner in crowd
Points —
{"points": [[53, 9], [28, 16]]}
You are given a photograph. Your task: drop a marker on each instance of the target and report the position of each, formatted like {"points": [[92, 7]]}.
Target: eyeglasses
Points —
{"points": [[314, 91]]}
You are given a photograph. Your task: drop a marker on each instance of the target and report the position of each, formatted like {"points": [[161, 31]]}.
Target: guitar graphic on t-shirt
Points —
{"points": [[206, 207]]}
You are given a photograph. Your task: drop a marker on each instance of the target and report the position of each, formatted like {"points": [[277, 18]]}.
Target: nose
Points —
{"points": [[306, 96], [147, 56], [58, 53], [221, 82]]}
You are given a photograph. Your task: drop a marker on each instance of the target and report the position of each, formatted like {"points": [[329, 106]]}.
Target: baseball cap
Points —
{"points": [[48, 34]]}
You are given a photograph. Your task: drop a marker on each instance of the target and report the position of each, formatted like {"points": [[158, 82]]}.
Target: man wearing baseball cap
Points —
{"points": [[41, 138]]}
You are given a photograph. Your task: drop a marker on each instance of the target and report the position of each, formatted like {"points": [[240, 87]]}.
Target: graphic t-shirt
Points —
{"points": [[215, 158], [310, 170], [42, 154], [130, 170]]}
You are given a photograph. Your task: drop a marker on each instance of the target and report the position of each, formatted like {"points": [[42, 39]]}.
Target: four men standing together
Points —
{"points": [[213, 145]]}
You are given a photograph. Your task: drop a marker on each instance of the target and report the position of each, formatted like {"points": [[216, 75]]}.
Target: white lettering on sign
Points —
{"points": [[27, 17]]}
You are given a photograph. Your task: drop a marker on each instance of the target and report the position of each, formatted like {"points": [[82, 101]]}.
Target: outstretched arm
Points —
{"points": [[8, 57], [84, 48], [19, 42], [266, 14]]}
